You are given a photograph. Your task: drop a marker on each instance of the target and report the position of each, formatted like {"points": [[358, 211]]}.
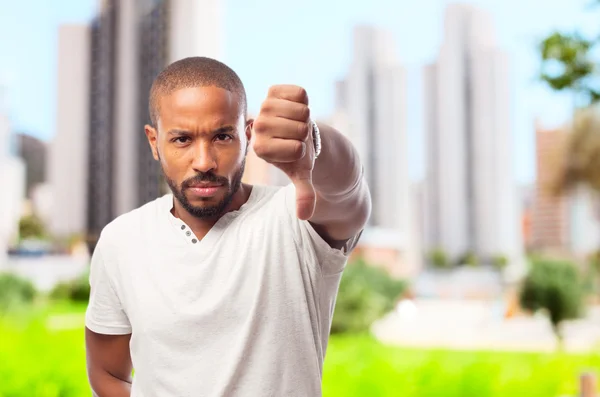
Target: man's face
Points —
{"points": [[201, 141]]}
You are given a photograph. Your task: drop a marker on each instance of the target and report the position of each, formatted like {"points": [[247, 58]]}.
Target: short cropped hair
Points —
{"points": [[194, 72]]}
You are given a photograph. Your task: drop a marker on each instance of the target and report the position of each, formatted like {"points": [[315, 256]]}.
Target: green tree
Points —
{"points": [[76, 290], [468, 258], [568, 66], [15, 291], [500, 261], [365, 294], [569, 63], [439, 259], [556, 288], [32, 227]]}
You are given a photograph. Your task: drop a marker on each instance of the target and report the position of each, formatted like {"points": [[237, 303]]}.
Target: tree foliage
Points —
{"points": [[365, 294], [569, 63], [556, 288], [15, 291], [31, 227], [439, 259]]}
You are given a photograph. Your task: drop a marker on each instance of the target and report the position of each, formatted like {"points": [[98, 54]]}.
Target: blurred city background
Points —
{"points": [[479, 129]]}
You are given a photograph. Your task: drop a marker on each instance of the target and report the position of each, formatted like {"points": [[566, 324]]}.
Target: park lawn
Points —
{"points": [[42, 355], [359, 366]]}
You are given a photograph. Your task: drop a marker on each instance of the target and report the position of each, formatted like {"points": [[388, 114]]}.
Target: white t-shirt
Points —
{"points": [[246, 311]]}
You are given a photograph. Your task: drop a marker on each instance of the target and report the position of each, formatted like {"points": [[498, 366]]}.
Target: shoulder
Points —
{"points": [[266, 198], [124, 227]]}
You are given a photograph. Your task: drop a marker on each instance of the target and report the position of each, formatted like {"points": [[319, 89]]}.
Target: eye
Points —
{"points": [[223, 137], [181, 139]]}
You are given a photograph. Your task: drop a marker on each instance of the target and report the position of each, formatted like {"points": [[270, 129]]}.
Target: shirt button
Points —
{"points": [[188, 233], [194, 241], [182, 227]]}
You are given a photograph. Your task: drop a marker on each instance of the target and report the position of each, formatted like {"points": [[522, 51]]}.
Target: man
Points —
{"points": [[225, 289]]}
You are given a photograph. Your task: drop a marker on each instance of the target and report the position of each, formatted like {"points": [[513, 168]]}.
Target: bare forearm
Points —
{"points": [[343, 203], [338, 168], [106, 385]]}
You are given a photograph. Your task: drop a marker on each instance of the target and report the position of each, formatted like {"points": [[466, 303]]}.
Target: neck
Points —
{"points": [[201, 226]]}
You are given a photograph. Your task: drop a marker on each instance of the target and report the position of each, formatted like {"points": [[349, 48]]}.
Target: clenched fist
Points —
{"points": [[283, 137]]}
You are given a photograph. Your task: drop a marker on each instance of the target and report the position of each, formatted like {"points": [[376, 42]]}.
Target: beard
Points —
{"points": [[207, 212]]}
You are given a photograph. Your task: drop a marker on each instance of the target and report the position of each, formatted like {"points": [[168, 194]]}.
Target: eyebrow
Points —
{"points": [[220, 130]]}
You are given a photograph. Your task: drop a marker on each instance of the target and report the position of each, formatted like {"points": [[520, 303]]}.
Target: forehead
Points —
{"points": [[193, 105]]}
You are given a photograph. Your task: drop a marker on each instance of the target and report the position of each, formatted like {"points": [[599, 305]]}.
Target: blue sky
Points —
{"points": [[307, 43]]}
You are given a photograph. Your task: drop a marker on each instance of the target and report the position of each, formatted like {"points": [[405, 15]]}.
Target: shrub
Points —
{"points": [[366, 293], [76, 290], [32, 227], [555, 287], [468, 259], [499, 261], [15, 291], [439, 259]]}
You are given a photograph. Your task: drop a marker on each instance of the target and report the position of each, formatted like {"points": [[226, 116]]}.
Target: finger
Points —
{"points": [[306, 197], [285, 109], [277, 127], [292, 93], [279, 150]]}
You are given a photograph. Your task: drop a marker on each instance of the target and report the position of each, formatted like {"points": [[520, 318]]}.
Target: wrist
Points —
{"points": [[316, 137], [338, 170]]}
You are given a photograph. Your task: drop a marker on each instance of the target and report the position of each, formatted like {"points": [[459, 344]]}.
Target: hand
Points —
{"points": [[283, 137]]}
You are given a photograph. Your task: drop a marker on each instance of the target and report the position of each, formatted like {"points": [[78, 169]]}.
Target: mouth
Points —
{"points": [[205, 190]]}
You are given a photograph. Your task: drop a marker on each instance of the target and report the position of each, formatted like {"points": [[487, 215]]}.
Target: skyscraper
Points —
{"points": [[566, 223], [12, 184], [67, 168], [371, 104], [33, 151], [132, 41], [371, 112], [550, 218], [101, 138], [472, 198]]}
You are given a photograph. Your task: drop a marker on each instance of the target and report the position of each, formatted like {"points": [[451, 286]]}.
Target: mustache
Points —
{"points": [[204, 177]]}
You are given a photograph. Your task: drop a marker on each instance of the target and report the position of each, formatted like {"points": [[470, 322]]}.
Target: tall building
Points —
{"points": [[371, 112], [67, 168], [372, 98], [471, 194], [33, 152], [132, 41], [12, 184], [550, 215], [567, 223], [584, 231]]}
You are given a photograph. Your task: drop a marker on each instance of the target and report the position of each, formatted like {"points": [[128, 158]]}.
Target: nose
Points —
{"points": [[204, 158]]}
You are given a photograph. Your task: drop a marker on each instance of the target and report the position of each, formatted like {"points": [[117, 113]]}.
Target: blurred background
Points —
{"points": [[479, 127]]}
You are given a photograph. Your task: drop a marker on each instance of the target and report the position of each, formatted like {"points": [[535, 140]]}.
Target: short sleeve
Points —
{"points": [[104, 314], [330, 260]]}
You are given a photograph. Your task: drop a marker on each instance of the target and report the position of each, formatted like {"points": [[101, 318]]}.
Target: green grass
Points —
{"points": [[359, 366], [38, 360]]}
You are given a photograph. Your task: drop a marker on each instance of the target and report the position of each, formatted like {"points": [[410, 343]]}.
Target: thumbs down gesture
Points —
{"points": [[283, 137]]}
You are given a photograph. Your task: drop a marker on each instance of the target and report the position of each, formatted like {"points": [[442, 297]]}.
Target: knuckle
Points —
{"points": [[259, 125], [303, 131], [298, 150], [273, 90], [301, 94], [268, 105], [305, 113]]}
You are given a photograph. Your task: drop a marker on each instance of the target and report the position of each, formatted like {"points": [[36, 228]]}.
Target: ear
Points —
{"points": [[249, 125], [152, 136]]}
